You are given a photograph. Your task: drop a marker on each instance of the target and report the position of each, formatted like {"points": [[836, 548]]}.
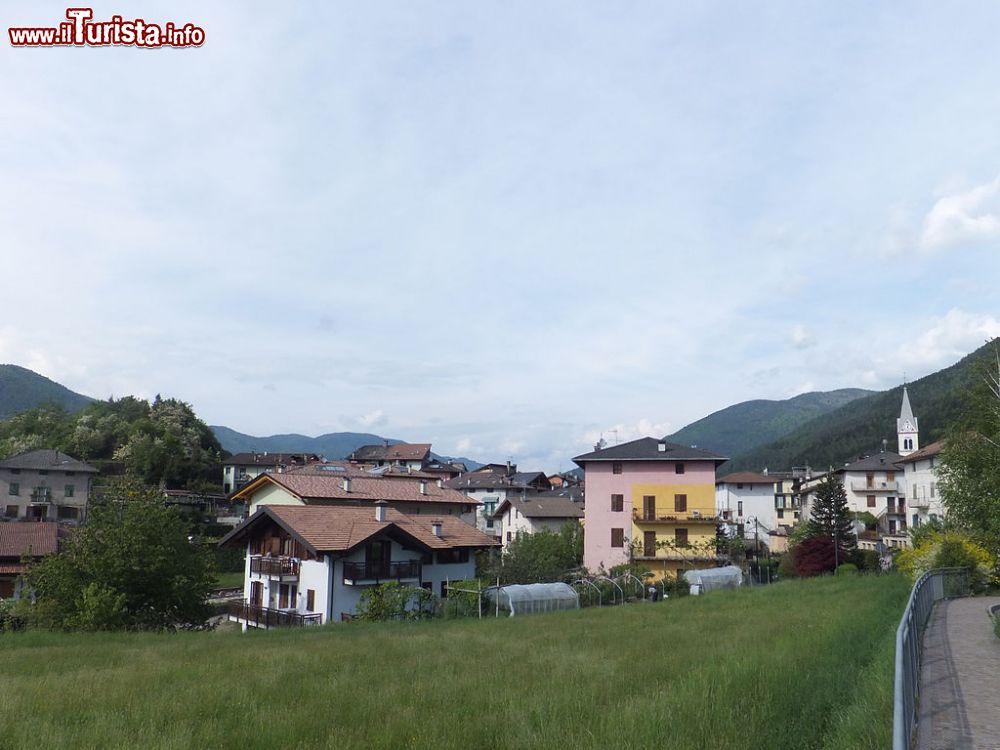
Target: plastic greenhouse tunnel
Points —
{"points": [[526, 599]]}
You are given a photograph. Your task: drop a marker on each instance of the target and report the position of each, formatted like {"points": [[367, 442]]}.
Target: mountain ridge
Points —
{"points": [[22, 389]]}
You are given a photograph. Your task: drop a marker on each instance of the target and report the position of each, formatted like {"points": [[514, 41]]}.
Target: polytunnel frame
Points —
{"points": [[591, 584], [642, 584], [615, 584]]}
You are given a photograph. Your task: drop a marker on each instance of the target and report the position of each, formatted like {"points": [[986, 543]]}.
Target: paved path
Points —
{"points": [[960, 678]]}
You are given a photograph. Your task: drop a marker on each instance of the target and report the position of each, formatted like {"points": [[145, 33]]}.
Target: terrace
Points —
{"points": [[265, 617], [694, 516]]}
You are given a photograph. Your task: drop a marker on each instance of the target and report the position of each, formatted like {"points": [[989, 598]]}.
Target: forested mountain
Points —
{"points": [[21, 389], [860, 426], [742, 427]]}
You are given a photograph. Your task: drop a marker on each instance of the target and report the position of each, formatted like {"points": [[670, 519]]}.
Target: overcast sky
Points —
{"points": [[501, 227]]}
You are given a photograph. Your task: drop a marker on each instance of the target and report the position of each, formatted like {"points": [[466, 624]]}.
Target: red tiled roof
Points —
{"points": [[320, 487], [926, 452], [397, 452], [746, 477], [342, 528], [35, 539]]}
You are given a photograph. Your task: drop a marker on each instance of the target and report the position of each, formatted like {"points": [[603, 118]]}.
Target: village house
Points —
{"points": [[344, 484], [412, 456], [549, 511], [241, 469], [45, 485], [309, 564], [492, 484], [650, 502], [759, 506], [920, 482], [21, 541]]}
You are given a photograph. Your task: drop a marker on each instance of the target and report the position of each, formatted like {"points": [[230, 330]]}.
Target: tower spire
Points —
{"points": [[906, 427]]}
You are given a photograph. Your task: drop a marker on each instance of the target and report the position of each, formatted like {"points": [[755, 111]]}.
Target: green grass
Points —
{"points": [[802, 664], [229, 580]]}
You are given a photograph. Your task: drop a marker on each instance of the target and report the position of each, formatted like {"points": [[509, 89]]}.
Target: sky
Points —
{"points": [[503, 228]]}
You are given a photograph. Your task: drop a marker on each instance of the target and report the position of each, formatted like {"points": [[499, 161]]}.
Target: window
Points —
{"points": [[617, 537], [508, 536], [739, 508], [444, 589], [649, 507], [11, 511], [871, 501], [14, 488], [649, 543], [681, 537], [781, 513], [933, 488], [680, 503], [66, 513], [283, 596], [890, 476], [870, 479], [616, 467], [489, 523], [452, 556], [15, 471], [43, 472], [617, 503], [779, 502], [310, 600], [739, 486], [69, 490], [678, 468]]}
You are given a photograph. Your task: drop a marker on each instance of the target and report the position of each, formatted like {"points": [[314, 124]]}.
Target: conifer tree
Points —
{"points": [[831, 518]]}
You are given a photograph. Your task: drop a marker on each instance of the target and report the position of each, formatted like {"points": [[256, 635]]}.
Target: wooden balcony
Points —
{"points": [[265, 617], [375, 573], [275, 567]]}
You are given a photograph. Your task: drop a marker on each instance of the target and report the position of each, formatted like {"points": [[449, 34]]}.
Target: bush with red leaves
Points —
{"points": [[815, 556]]}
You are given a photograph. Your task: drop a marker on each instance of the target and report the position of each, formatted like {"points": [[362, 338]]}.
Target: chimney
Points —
{"points": [[508, 467], [380, 511], [436, 528], [423, 486], [347, 484]]}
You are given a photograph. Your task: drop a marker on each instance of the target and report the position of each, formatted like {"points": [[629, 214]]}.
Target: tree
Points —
{"points": [[831, 519], [969, 474], [540, 557], [132, 566]]}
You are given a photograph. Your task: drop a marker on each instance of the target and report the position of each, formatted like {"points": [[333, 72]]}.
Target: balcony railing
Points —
{"points": [[866, 486], [41, 495], [274, 566], [356, 572], [686, 518], [265, 617]]}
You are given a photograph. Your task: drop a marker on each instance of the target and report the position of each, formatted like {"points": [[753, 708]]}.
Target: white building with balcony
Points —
{"points": [[310, 564], [920, 480]]}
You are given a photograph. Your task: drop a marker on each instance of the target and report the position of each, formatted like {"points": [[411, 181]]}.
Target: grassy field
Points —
{"points": [[802, 664], [229, 580]]}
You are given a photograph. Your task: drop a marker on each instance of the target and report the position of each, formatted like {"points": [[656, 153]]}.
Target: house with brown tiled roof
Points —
{"points": [[240, 469], [492, 484], [343, 484], [407, 455], [309, 564], [19, 541], [540, 511]]}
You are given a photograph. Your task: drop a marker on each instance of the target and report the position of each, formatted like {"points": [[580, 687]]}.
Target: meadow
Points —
{"points": [[801, 664]]}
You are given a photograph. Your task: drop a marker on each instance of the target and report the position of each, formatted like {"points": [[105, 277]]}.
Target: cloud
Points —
{"points": [[948, 339], [801, 338], [372, 419], [970, 216]]}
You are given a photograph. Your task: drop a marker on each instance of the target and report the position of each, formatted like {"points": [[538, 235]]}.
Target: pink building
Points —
{"points": [[642, 492]]}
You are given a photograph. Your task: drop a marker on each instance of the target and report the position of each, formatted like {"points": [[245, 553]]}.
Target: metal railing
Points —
{"points": [[266, 617], [274, 566], [930, 588], [381, 571]]}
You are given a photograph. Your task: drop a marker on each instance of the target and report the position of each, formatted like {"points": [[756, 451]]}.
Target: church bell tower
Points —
{"points": [[906, 428]]}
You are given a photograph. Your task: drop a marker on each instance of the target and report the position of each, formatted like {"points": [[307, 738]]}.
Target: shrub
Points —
{"points": [[786, 565], [848, 569], [868, 561], [948, 549], [393, 601], [814, 556]]}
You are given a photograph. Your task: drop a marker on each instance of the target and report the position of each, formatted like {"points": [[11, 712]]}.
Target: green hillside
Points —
{"points": [[802, 664], [860, 426], [21, 390], [740, 428]]}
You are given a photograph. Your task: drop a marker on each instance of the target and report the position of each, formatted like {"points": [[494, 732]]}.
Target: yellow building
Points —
{"points": [[673, 527]]}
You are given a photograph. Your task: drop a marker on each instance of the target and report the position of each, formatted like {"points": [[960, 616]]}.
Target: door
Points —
{"points": [[377, 559], [649, 543], [257, 594], [649, 507]]}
